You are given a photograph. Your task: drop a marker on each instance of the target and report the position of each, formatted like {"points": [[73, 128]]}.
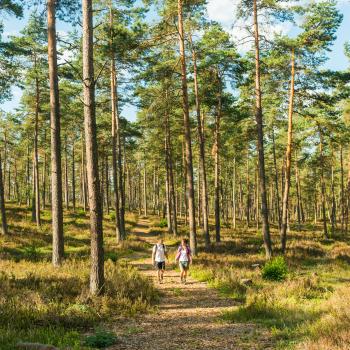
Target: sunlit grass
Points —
{"points": [[53, 306]]}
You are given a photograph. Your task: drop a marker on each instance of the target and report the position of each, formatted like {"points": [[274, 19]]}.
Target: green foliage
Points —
{"points": [[162, 223], [101, 339], [275, 269]]}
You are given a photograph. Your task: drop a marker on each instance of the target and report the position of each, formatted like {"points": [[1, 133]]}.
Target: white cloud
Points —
{"points": [[225, 12]]}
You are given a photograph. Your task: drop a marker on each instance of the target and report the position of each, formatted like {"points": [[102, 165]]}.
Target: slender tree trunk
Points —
{"points": [[27, 177], [36, 156], [118, 229], [342, 196], [172, 198], [234, 195], [217, 162], [201, 142], [144, 190], [4, 228], [323, 186], [84, 175], [97, 262], [248, 191], [167, 187], [107, 184], [333, 210], [259, 122], [43, 194], [283, 231], [66, 185], [56, 172], [276, 181], [73, 178], [187, 134], [298, 193]]}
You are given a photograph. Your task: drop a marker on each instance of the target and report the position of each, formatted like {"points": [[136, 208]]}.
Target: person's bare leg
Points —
{"points": [[182, 274]]}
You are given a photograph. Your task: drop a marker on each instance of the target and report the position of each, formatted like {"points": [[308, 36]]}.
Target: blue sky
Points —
{"points": [[219, 10]]}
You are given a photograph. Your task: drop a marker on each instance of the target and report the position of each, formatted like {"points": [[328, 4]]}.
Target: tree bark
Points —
{"points": [[260, 133], [283, 232], [323, 186], [66, 185], [118, 228], [73, 177], [217, 182], [276, 181], [201, 142], [187, 134], [4, 228], [97, 262], [56, 172], [36, 151]]}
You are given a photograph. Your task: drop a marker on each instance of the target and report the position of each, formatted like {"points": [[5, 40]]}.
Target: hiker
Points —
{"points": [[184, 257], [159, 253]]}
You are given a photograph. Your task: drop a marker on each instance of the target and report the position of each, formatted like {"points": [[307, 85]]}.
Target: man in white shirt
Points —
{"points": [[159, 254]]}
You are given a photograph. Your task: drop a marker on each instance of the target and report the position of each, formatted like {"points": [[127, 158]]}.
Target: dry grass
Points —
{"points": [[309, 310], [44, 304]]}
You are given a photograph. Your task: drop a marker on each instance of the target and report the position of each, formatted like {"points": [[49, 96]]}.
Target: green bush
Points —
{"points": [[275, 269], [101, 339], [162, 223]]}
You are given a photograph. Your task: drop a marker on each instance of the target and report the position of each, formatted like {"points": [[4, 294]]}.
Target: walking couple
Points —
{"points": [[183, 257]]}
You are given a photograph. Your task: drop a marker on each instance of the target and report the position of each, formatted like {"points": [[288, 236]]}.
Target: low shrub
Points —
{"points": [[162, 223], [275, 269], [101, 339]]}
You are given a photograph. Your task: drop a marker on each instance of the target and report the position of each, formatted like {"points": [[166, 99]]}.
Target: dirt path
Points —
{"points": [[188, 315]]}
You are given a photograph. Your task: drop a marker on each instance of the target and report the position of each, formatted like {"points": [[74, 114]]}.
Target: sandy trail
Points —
{"points": [[188, 315]]}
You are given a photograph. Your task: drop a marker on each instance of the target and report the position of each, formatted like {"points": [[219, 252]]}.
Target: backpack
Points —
{"points": [[156, 247]]}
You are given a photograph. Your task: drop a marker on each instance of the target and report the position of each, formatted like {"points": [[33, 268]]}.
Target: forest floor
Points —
{"points": [[188, 316]]}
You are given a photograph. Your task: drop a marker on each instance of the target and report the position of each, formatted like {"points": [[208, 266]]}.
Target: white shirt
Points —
{"points": [[159, 250], [183, 255]]}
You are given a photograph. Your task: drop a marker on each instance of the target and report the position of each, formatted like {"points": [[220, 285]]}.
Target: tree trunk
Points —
{"points": [[187, 134], [66, 185], [4, 228], [118, 228], [36, 156], [259, 123], [97, 262], [342, 196], [248, 191], [323, 186], [107, 184], [234, 194], [73, 177], [56, 172], [217, 182], [144, 190], [201, 142], [333, 210], [172, 199], [276, 181], [283, 231]]}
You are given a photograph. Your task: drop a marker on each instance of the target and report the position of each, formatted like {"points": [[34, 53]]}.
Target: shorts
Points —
{"points": [[184, 265], [160, 265]]}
